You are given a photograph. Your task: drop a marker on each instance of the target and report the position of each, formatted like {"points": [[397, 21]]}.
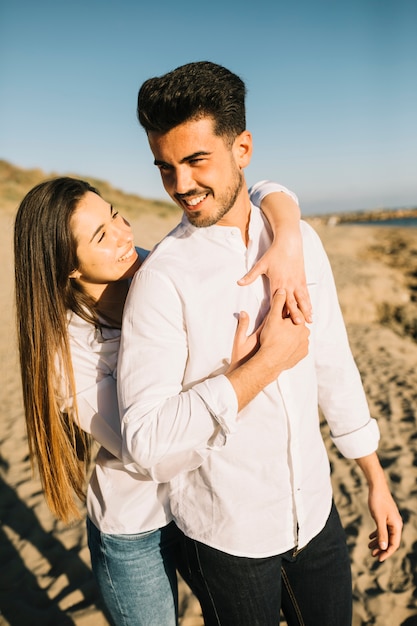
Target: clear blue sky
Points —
{"points": [[332, 89]]}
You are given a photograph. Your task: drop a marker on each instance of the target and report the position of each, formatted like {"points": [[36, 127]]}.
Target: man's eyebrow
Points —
{"points": [[98, 229], [190, 157]]}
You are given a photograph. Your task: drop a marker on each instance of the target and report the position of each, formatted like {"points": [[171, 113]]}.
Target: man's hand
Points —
{"points": [[385, 539], [259, 359]]}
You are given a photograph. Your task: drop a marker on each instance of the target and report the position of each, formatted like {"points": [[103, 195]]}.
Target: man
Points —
{"points": [[261, 502]]}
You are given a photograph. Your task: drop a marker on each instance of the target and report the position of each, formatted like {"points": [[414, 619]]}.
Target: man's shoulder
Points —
{"points": [[307, 229], [310, 235], [313, 250]]}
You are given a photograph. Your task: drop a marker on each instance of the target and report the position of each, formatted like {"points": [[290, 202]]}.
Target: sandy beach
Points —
{"points": [[45, 575]]}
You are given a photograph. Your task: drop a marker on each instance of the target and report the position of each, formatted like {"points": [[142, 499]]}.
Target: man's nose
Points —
{"points": [[183, 180]]}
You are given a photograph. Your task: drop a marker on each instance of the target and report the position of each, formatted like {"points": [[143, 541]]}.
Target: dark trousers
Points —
{"points": [[313, 587]]}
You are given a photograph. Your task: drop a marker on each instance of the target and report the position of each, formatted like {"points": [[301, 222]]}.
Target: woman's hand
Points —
{"points": [[283, 264], [275, 333]]}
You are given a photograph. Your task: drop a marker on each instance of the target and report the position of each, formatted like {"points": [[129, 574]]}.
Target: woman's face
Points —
{"points": [[105, 247]]}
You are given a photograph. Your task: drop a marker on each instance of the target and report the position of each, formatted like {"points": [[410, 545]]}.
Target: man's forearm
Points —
{"points": [[250, 378], [372, 470]]}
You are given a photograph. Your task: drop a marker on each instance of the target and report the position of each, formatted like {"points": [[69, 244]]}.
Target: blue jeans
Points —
{"points": [[313, 587], [136, 575]]}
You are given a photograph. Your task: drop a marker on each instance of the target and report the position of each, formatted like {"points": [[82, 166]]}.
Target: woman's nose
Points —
{"points": [[123, 231]]}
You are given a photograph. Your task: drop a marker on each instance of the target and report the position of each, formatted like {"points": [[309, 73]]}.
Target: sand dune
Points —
{"points": [[45, 576]]}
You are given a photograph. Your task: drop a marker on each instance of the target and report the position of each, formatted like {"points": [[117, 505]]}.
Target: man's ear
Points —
{"points": [[75, 274], [242, 149]]}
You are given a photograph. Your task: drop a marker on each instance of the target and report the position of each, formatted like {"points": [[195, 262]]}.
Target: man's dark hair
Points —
{"points": [[190, 92]]}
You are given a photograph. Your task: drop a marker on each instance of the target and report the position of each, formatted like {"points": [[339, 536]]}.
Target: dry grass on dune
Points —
{"points": [[15, 182]]}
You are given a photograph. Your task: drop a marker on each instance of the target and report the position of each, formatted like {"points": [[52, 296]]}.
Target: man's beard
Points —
{"points": [[226, 201]]}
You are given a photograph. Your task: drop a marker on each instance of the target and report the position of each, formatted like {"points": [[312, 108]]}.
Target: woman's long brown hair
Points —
{"points": [[45, 255]]}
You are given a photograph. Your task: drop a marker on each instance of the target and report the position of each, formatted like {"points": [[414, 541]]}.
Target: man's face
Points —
{"points": [[202, 172]]}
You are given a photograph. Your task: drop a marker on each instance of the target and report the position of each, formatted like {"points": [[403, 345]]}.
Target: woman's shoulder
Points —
{"points": [[143, 254], [87, 336]]}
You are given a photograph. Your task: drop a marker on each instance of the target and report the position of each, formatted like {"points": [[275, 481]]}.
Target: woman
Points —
{"points": [[70, 299]]}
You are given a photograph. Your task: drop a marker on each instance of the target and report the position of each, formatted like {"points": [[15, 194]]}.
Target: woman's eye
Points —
{"points": [[115, 214], [101, 237]]}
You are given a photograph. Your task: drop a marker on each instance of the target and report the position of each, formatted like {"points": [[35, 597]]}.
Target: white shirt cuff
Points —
{"points": [[220, 399], [259, 190], [360, 442]]}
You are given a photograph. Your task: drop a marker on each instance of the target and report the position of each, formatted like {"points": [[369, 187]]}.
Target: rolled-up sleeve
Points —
{"points": [[259, 190], [359, 443]]}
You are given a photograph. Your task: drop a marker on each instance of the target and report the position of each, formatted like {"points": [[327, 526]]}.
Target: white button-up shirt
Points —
{"points": [[261, 483]]}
